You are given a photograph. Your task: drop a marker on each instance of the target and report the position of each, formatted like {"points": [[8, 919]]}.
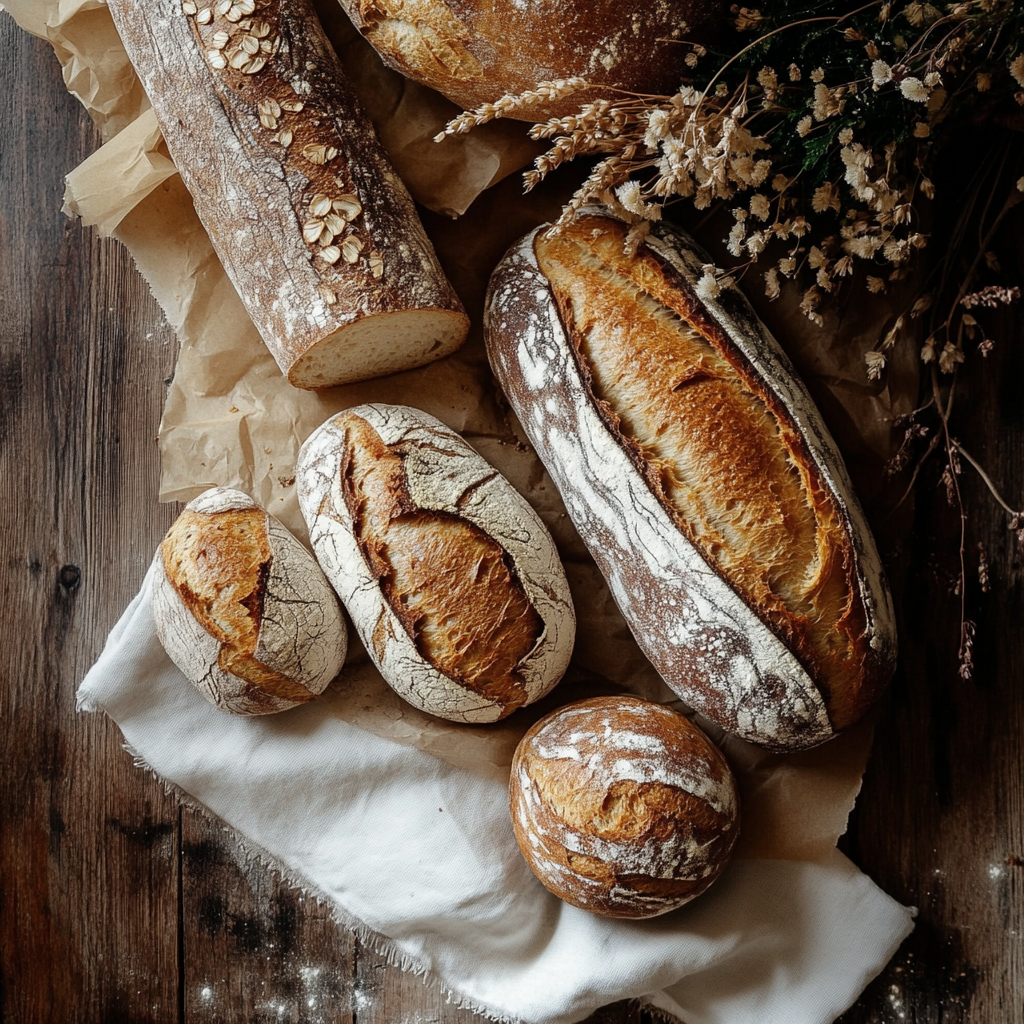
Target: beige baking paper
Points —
{"points": [[231, 419]]}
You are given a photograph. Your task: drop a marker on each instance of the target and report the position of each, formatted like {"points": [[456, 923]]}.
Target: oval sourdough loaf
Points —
{"points": [[450, 577], [312, 225], [474, 51], [242, 608], [623, 807], [697, 470]]}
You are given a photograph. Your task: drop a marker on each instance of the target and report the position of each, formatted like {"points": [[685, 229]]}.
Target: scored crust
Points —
{"points": [[623, 807], [449, 576], [699, 473], [242, 609], [674, 389]]}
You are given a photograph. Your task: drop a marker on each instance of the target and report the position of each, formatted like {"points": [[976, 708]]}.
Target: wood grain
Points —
{"points": [[940, 821], [89, 845], [117, 905]]}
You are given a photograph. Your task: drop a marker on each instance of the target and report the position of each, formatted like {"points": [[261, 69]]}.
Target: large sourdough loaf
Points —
{"points": [[243, 609], [451, 579], [475, 51], [311, 223], [623, 807], [697, 470]]}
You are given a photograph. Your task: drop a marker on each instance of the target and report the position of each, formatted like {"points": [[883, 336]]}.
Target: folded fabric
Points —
{"points": [[418, 855]]}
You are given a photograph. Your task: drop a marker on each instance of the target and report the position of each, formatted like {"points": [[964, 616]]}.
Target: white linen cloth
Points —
{"points": [[418, 855]]}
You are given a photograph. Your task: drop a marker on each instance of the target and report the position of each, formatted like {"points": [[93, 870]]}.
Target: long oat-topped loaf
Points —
{"points": [[697, 469], [242, 608], [450, 577], [310, 221], [474, 51]]}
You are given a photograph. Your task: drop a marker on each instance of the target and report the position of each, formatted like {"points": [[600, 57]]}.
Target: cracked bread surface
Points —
{"points": [[474, 52], [623, 807], [718, 449], [448, 582], [668, 527], [242, 608], [450, 577]]}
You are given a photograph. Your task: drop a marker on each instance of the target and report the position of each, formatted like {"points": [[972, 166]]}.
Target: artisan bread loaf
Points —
{"points": [[475, 51], [450, 577], [623, 807], [242, 608], [315, 230], [697, 470]]}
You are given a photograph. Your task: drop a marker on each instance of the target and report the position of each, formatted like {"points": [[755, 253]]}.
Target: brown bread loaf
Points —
{"points": [[451, 579], [623, 807], [242, 608], [696, 467], [475, 51], [315, 230]]}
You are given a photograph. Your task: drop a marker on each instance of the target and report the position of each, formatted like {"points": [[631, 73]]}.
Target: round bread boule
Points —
{"points": [[242, 608], [623, 807]]}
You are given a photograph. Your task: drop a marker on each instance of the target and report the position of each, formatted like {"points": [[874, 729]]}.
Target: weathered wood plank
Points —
{"points": [[940, 822], [254, 949], [88, 917]]}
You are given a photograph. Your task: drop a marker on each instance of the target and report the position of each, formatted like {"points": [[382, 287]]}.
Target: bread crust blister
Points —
{"points": [[450, 577], [746, 653]]}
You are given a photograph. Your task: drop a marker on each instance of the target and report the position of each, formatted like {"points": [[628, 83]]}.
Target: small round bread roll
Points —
{"points": [[243, 609], [623, 807]]}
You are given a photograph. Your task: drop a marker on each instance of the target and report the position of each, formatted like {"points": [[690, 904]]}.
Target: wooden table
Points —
{"points": [[117, 905]]}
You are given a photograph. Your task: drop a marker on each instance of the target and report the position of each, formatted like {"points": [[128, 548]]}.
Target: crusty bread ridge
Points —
{"points": [[450, 578], [242, 608], [311, 223], [474, 52], [623, 807], [697, 469]]}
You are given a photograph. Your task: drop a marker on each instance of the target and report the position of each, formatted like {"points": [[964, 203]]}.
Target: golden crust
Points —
{"points": [[475, 52], [622, 807], [448, 582], [721, 453], [219, 564]]}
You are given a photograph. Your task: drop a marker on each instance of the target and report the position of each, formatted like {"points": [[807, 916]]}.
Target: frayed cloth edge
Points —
{"points": [[380, 944]]}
